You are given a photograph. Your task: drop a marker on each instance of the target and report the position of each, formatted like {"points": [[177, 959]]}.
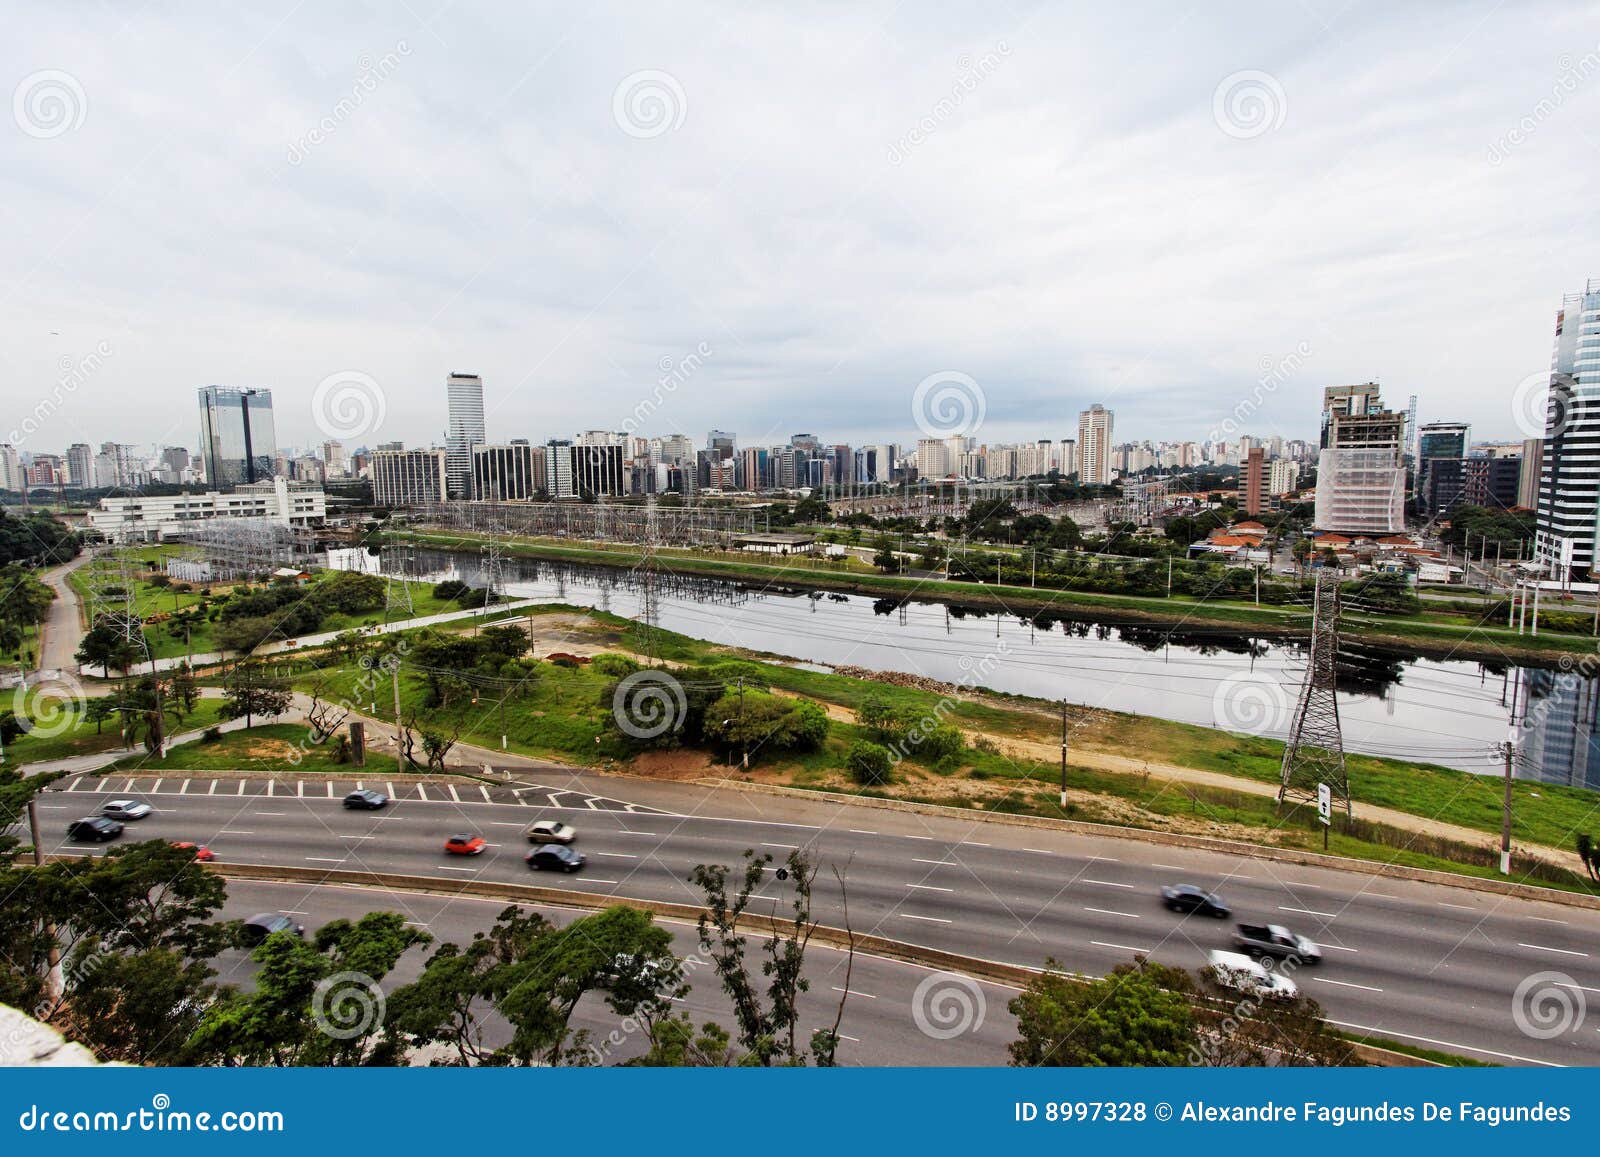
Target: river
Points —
{"points": [[1404, 707]]}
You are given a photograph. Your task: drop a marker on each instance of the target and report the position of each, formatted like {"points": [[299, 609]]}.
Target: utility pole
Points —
{"points": [[54, 960], [1169, 576], [399, 755], [744, 740], [1063, 755], [1509, 750]]}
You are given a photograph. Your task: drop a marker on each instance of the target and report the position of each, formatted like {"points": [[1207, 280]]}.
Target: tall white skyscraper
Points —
{"points": [[1568, 518], [464, 393], [1094, 445]]}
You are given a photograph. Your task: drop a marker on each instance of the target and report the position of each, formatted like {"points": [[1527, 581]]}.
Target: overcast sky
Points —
{"points": [[1149, 206]]}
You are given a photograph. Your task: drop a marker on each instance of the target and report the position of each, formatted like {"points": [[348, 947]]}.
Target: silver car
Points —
{"points": [[125, 809], [550, 832]]}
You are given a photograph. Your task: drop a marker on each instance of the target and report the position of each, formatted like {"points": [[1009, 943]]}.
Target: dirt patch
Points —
{"points": [[674, 764]]}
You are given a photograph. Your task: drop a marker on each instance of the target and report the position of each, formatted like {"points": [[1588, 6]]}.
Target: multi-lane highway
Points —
{"points": [[1427, 964]]}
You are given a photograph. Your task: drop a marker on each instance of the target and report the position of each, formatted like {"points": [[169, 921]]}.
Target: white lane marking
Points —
{"points": [[592, 880], [358, 837], [1169, 867], [1336, 948], [75, 784], [53, 807], [505, 823], [1291, 886], [184, 789], [1040, 851], [862, 832], [617, 855], [946, 863], [453, 794], [917, 837], [848, 1037], [633, 832], [241, 788], [485, 792], [454, 868], [300, 788], [1346, 984], [929, 919], [1452, 1045], [127, 787], [766, 844], [422, 795], [1547, 919], [930, 888], [234, 832], [1462, 907], [269, 813], [975, 844], [390, 786], [1308, 912], [293, 912], [270, 786], [855, 992], [329, 786], [1581, 987], [1108, 883], [328, 859], [416, 923], [1547, 948], [213, 788], [156, 786], [1109, 912], [1120, 947], [1105, 860]]}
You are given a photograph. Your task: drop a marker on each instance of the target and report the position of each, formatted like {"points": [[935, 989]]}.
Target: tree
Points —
{"points": [[1139, 1014], [111, 645], [249, 691], [436, 745], [1588, 853], [183, 691], [767, 1022], [324, 718], [885, 559], [140, 1008], [869, 763]]}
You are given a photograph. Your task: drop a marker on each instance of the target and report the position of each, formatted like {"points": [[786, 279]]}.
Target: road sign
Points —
{"points": [[1324, 803]]}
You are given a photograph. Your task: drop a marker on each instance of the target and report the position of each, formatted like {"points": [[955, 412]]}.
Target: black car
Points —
{"points": [[93, 829], [365, 799], [1188, 898], [554, 857], [264, 924]]}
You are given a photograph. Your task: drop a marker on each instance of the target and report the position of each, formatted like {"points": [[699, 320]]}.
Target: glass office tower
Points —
{"points": [[238, 442]]}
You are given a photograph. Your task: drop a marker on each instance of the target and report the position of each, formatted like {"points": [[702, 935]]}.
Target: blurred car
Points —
{"points": [[550, 832], [1237, 971], [264, 924], [202, 853], [464, 845], [1188, 898], [365, 799], [1276, 941], [125, 809], [554, 858], [93, 829]]}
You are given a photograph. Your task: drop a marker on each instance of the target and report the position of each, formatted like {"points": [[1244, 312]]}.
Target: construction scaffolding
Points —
{"points": [[227, 549], [662, 526], [1314, 754]]}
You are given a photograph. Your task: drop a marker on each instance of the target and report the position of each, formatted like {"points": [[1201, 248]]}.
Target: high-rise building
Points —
{"points": [[1528, 480], [933, 458], [1067, 457], [1094, 445], [721, 444], [12, 475], [1441, 447], [1282, 476], [1569, 486], [464, 396], [504, 473], [238, 442], [80, 465], [558, 469], [409, 477], [1361, 474], [597, 469], [1492, 482], [1255, 481]]}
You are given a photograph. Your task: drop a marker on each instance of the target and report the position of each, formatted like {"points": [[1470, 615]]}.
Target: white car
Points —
{"points": [[1237, 971], [550, 832], [125, 809]]}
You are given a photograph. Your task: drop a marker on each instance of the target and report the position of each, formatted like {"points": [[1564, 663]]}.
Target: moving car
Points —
{"points": [[365, 799], [554, 857], [93, 829], [550, 832], [264, 924], [202, 853], [1276, 941], [1188, 898], [1237, 971], [125, 809], [464, 845]]}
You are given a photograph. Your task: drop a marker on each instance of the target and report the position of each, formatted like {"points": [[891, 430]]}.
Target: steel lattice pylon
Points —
{"points": [[1315, 751]]}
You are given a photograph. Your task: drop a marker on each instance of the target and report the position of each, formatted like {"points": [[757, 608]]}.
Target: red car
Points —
{"points": [[464, 845], [202, 853]]}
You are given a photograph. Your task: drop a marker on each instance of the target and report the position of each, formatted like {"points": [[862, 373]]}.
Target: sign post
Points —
{"points": [[1325, 810]]}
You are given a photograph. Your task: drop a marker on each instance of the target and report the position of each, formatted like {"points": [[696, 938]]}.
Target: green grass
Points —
{"points": [[273, 747], [81, 738]]}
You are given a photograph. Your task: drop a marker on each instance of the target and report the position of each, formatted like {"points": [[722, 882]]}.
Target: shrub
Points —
{"points": [[450, 589], [613, 666], [869, 763], [211, 735]]}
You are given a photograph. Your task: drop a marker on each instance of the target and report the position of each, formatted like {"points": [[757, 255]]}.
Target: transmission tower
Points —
{"points": [[1315, 751], [646, 569], [112, 580]]}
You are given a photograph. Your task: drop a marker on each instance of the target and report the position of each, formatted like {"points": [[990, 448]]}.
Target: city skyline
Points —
{"points": [[842, 293]]}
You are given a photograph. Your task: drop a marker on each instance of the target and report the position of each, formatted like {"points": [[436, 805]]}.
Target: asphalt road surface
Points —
{"points": [[1426, 964], [888, 1003]]}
